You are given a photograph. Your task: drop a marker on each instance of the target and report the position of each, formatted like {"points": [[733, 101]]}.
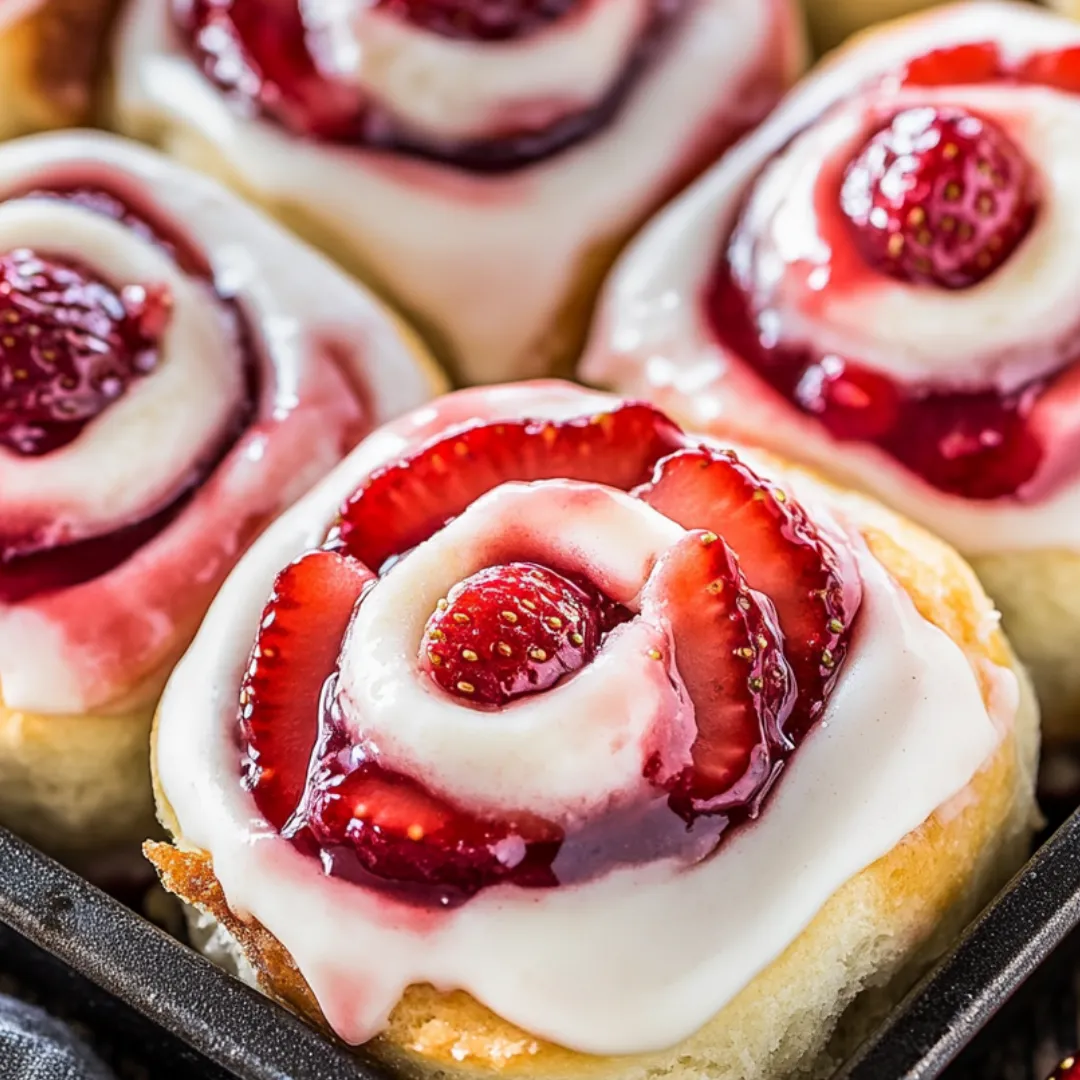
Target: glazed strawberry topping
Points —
{"points": [[781, 553], [404, 503], [1069, 1069], [282, 689], [70, 346], [751, 603], [731, 661], [939, 197], [379, 826], [512, 630]]}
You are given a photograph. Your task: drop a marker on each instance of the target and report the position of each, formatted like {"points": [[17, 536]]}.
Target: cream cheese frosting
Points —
{"points": [[651, 336], [874, 769], [331, 364], [444, 241]]}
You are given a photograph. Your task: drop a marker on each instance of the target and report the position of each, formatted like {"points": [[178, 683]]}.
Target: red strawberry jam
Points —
{"points": [[263, 55], [71, 345], [941, 199], [759, 620]]}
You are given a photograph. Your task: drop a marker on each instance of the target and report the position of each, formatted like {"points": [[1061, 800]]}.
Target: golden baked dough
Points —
{"points": [[51, 56], [805, 1011]]}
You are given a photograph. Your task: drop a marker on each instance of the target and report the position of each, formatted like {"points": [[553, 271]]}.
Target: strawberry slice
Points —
{"points": [[390, 827], [781, 553], [973, 62], [1059, 68], [295, 653], [403, 504], [729, 655]]}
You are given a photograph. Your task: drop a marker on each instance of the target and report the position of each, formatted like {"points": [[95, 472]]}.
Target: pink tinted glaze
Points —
{"points": [[265, 40], [124, 605], [1031, 432], [125, 626]]}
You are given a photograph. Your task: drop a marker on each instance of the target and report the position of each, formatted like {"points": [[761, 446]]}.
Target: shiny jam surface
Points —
{"points": [[70, 346], [263, 56], [756, 672], [974, 443]]}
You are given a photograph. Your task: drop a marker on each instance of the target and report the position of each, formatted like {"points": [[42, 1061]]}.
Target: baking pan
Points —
{"points": [[62, 922]]}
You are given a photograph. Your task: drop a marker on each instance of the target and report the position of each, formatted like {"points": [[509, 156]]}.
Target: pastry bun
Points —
{"points": [[808, 1007]]}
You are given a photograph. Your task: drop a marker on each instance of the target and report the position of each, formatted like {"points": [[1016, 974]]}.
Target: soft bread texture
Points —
{"points": [[808, 1009], [50, 61], [832, 21], [1039, 596], [76, 786]]}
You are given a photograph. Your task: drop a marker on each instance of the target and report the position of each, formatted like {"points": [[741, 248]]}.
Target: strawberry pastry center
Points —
{"points": [[71, 345], [486, 85], [86, 347], [881, 292], [532, 651]]}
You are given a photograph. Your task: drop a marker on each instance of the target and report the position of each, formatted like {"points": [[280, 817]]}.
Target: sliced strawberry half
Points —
{"points": [[781, 553], [403, 504], [392, 828], [295, 653], [729, 655]]}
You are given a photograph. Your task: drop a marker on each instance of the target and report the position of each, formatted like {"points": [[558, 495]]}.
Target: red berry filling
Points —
{"points": [[70, 346], [940, 198], [265, 57], [513, 630], [758, 621]]}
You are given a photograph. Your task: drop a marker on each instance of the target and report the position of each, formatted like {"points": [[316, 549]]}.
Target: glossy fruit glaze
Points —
{"points": [[940, 198], [257, 51], [760, 621], [70, 346]]}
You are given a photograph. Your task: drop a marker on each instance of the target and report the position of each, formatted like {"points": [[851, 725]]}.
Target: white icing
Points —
{"points": [[877, 766], [650, 337], [444, 241], [97, 642], [132, 456], [564, 754], [451, 89]]}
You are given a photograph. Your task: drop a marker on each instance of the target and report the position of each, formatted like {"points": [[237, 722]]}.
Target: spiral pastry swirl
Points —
{"points": [[174, 371], [535, 660]]}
